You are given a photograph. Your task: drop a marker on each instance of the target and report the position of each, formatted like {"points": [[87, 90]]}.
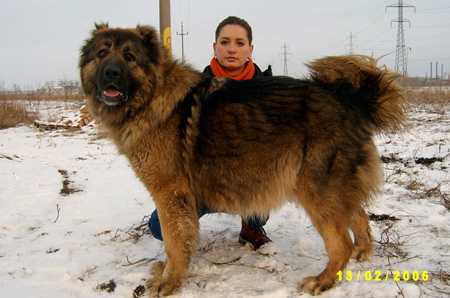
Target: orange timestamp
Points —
{"points": [[380, 275]]}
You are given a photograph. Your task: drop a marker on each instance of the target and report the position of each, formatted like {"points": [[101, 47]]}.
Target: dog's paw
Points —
{"points": [[159, 286], [362, 253], [313, 285], [268, 249]]}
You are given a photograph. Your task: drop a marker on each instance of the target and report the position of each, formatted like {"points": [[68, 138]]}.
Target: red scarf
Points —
{"points": [[246, 74]]}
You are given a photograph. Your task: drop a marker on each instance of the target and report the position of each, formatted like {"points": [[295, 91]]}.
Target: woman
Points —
{"points": [[232, 59]]}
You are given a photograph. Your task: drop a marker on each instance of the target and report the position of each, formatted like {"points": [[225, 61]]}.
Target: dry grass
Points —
{"points": [[428, 95], [39, 96], [12, 114]]}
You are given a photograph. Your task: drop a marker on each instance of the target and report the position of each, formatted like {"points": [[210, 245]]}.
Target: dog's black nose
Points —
{"points": [[112, 72]]}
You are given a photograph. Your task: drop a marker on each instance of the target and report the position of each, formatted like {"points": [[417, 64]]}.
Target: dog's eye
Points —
{"points": [[102, 53], [129, 57]]}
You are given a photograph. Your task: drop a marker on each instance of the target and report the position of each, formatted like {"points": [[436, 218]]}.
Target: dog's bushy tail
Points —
{"points": [[362, 86]]}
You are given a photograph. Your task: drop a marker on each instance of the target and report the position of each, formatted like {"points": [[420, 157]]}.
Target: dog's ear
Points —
{"points": [[88, 45], [151, 41], [100, 27], [148, 35]]}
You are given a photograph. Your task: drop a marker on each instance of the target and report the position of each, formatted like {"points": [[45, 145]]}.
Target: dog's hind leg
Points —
{"points": [[359, 224], [334, 229], [179, 223]]}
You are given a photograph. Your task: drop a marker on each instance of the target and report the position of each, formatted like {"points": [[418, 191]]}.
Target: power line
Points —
{"points": [[401, 55], [443, 26], [368, 25], [424, 59], [433, 9]]}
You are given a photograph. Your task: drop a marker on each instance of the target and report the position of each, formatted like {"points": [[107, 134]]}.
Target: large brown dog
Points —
{"points": [[243, 147]]}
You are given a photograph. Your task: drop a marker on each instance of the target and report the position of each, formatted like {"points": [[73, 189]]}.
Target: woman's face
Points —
{"points": [[232, 48]]}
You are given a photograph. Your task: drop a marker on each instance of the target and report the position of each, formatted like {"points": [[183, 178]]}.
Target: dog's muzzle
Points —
{"points": [[112, 85], [111, 96]]}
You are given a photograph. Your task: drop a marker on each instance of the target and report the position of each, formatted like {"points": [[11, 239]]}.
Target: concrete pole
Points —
{"points": [[164, 24]]}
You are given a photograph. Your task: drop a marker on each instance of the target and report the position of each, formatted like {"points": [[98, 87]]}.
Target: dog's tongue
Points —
{"points": [[112, 93]]}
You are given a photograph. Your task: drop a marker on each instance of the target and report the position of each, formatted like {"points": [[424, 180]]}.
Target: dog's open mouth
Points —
{"points": [[112, 96]]}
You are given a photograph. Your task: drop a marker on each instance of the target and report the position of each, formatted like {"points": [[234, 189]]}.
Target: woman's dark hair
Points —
{"points": [[232, 20]]}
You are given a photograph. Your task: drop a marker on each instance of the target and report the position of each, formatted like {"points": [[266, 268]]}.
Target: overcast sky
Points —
{"points": [[40, 39]]}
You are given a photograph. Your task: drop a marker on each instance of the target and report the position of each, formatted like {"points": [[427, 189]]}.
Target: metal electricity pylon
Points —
{"points": [[350, 51], [182, 34], [401, 56], [285, 65]]}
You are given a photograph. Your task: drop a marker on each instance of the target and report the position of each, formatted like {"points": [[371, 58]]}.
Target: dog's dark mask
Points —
{"points": [[113, 82]]}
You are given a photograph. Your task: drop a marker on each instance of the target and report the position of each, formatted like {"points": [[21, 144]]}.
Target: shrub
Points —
{"points": [[12, 114]]}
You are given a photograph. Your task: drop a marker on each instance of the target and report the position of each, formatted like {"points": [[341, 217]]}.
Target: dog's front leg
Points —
{"points": [[179, 223]]}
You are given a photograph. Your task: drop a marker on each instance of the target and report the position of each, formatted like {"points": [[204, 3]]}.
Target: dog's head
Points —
{"points": [[117, 65]]}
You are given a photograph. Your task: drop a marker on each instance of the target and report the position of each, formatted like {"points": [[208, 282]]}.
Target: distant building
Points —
{"points": [[61, 87]]}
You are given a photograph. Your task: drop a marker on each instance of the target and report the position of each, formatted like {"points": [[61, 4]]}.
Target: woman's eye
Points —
{"points": [[129, 57], [102, 53], [224, 42]]}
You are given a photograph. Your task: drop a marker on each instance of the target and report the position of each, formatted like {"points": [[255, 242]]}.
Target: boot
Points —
{"points": [[255, 236]]}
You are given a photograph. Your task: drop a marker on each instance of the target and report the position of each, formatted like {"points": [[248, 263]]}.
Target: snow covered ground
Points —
{"points": [[73, 223]]}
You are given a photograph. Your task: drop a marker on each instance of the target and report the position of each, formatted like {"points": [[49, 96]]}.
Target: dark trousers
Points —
{"points": [[256, 222]]}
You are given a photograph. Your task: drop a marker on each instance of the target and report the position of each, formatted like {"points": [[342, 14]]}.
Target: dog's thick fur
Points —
{"points": [[243, 147]]}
